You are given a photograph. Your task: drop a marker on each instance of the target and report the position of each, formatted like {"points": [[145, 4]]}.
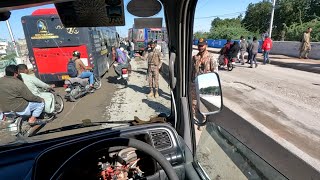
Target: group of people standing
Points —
{"points": [[231, 51]]}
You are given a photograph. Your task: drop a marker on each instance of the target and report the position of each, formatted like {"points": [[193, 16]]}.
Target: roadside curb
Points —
{"points": [[298, 66]]}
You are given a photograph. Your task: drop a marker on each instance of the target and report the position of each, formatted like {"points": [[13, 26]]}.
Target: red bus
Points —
{"points": [[50, 45]]}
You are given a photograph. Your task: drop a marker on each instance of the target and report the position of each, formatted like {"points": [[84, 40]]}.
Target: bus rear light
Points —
{"points": [[91, 59], [32, 62]]}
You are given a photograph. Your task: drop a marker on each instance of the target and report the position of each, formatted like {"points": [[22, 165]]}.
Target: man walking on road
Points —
{"points": [[305, 47], [248, 50], [204, 62], [266, 47], [254, 51], [243, 48]]}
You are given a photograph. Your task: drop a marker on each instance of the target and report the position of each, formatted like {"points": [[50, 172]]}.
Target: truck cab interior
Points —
{"points": [[150, 151]]}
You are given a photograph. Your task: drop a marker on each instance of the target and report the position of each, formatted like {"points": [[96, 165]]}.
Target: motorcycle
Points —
{"points": [[230, 64], [125, 75], [78, 87], [18, 125]]}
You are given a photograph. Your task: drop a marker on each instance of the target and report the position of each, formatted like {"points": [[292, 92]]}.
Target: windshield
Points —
{"points": [[58, 81], [268, 60], [117, 80]]}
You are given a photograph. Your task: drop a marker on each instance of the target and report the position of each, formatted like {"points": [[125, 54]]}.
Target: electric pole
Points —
{"points": [[272, 16], [12, 38]]}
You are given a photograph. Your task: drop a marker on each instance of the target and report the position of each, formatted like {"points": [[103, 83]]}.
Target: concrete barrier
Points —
{"points": [[292, 48]]}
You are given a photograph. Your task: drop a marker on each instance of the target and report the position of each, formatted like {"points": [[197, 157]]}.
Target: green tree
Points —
{"points": [[289, 12], [313, 10], [257, 16], [296, 30], [200, 34], [230, 28]]}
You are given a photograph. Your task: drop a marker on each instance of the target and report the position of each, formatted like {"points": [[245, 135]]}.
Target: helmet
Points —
{"points": [[76, 54]]}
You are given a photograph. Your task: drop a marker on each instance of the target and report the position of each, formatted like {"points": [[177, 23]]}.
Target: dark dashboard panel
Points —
{"points": [[44, 158]]}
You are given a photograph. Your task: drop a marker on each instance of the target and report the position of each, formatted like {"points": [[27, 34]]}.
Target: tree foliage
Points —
{"points": [[200, 34], [296, 30], [257, 16], [291, 19], [228, 29], [210, 90]]}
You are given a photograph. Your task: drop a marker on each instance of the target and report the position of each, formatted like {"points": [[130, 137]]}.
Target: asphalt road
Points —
{"points": [[281, 103]]}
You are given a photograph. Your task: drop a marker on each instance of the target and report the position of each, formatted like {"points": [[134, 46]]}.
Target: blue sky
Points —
{"points": [[205, 8]]}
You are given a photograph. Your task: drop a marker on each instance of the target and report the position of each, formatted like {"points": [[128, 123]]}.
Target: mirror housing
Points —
{"points": [[209, 96]]}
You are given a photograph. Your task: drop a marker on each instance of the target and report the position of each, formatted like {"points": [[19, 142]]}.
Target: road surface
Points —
{"points": [[281, 102], [111, 106]]}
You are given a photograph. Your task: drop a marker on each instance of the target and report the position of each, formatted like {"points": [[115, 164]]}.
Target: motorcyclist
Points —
{"points": [[35, 85], [234, 50], [122, 60], [82, 69], [16, 97], [225, 51]]}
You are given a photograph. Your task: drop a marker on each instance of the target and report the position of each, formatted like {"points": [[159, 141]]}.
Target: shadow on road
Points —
{"points": [[114, 80], [145, 90], [140, 72], [158, 107]]}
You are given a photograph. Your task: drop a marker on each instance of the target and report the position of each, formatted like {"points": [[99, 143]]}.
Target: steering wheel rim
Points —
{"points": [[113, 142]]}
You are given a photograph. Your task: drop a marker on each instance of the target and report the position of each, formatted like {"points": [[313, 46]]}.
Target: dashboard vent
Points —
{"points": [[161, 140]]}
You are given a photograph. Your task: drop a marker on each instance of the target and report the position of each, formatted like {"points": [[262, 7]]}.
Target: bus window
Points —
{"points": [[149, 34]]}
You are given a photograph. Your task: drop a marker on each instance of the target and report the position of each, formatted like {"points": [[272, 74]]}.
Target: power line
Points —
{"points": [[222, 15]]}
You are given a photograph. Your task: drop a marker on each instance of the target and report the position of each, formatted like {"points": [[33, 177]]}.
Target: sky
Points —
{"points": [[205, 9], [207, 80]]}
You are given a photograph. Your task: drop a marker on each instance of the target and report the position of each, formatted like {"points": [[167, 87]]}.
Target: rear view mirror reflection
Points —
{"points": [[209, 94]]}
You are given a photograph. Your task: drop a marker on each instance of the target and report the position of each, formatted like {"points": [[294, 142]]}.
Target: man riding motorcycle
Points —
{"points": [[16, 97], [225, 51], [82, 69], [34, 84], [122, 60]]}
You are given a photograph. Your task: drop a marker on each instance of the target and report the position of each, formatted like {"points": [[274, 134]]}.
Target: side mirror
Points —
{"points": [[209, 96]]}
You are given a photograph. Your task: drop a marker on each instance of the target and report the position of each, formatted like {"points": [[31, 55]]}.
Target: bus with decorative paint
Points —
{"points": [[50, 45]]}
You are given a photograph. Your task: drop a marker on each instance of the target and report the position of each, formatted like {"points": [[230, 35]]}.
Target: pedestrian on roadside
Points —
{"points": [[254, 51], [243, 48], [266, 48], [132, 49], [234, 50], [305, 47], [264, 35], [249, 51]]}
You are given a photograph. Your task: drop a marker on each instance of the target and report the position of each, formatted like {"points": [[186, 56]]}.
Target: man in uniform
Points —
{"points": [[153, 57], [203, 62], [305, 44]]}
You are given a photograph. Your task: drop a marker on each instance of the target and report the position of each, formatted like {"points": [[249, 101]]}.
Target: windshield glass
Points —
{"points": [[267, 56], [79, 79]]}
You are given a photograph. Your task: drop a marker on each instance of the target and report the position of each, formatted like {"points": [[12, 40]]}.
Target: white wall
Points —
{"points": [[292, 48]]}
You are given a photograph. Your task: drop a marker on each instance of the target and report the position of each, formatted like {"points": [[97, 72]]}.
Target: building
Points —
{"points": [[3, 47], [22, 47]]}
